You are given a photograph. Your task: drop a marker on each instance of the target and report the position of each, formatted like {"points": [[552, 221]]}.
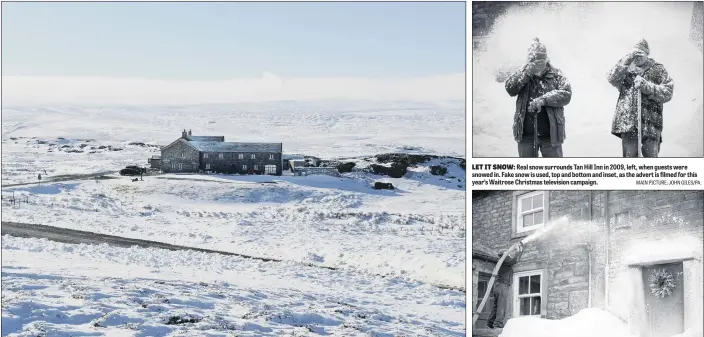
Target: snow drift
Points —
{"points": [[587, 323], [585, 41]]}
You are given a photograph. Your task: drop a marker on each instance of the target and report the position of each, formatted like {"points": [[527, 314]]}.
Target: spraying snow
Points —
{"points": [[548, 227], [585, 41]]}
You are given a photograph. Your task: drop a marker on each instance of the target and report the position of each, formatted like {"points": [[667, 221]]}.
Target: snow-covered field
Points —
{"points": [[55, 289], [585, 41], [323, 129], [415, 234]]}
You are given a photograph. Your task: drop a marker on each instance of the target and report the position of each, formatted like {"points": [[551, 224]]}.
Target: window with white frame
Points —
{"points": [[271, 157], [256, 167], [244, 167], [205, 155], [207, 166], [183, 154], [220, 155], [180, 167], [254, 156], [240, 156], [528, 293], [530, 211]]}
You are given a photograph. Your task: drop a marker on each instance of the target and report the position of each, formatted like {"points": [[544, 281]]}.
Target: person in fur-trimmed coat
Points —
{"points": [[638, 74]]}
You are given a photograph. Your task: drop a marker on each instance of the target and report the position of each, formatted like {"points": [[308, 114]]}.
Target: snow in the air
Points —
{"points": [[585, 40]]}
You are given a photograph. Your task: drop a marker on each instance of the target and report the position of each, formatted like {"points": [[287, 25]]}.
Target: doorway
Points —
{"points": [[482, 284]]}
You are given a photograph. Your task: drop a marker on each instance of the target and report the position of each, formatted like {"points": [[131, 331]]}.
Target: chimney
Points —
{"points": [[189, 132], [183, 134]]}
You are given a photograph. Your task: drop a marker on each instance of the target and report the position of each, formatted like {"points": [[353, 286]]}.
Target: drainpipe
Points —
{"points": [[606, 249], [589, 251]]}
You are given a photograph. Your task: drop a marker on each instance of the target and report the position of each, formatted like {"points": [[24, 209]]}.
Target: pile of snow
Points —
{"points": [[589, 322], [585, 41]]}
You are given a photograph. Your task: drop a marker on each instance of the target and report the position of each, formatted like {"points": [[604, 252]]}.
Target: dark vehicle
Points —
{"points": [[132, 171]]}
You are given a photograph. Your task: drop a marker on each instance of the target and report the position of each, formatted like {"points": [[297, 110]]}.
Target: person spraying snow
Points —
{"points": [[543, 92], [639, 78], [497, 316]]}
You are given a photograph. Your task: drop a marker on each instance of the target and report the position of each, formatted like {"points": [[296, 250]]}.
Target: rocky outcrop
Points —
{"points": [[346, 167], [438, 170], [383, 186]]}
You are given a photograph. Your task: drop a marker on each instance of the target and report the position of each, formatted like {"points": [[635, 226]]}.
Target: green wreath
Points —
{"points": [[662, 283]]}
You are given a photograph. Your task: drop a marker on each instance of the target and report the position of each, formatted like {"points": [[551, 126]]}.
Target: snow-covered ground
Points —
{"points": [[416, 230], [415, 233], [323, 129], [55, 289], [585, 41]]}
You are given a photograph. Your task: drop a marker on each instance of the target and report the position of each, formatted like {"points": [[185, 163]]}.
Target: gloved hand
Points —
{"points": [[643, 85], [536, 105]]}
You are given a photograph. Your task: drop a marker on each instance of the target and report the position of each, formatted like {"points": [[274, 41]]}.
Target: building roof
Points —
{"points": [[480, 251], [236, 147], [206, 138]]}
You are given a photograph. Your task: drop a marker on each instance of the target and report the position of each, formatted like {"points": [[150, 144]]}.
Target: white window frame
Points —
{"points": [[244, 167], [180, 166], [220, 155], [207, 166], [256, 167], [205, 155], [240, 156], [519, 213], [183, 154], [268, 169], [271, 157], [517, 297], [254, 156]]}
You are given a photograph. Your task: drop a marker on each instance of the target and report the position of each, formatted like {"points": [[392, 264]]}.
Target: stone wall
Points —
{"points": [[633, 215], [639, 215], [172, 155]]}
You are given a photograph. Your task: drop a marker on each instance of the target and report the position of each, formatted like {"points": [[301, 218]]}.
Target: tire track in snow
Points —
{"points": [[71, 236]]}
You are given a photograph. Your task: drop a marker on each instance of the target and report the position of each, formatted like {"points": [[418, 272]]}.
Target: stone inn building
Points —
{"points": [[194, 154], [604, 255]]}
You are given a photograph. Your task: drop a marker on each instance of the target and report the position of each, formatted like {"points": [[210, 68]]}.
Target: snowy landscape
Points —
{"points": [[356, 261], [584, 41]]}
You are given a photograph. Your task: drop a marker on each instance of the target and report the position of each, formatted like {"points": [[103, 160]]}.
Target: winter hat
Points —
{"points": [[642, 46], [537, 50]]}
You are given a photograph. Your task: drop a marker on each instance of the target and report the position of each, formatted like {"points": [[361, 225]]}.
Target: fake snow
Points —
{"points": [[664, 249], [585, 41], [588, 323]]}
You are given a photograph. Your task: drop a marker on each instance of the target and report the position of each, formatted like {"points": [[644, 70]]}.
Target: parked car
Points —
{"points": [[132, 171]]}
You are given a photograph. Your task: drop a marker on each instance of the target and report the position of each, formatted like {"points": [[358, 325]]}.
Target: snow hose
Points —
{"points": [[491, 283]]}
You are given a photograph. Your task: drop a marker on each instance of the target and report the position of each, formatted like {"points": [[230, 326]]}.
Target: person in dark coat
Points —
{"points": [[543, 92], [638, 74], [504, 278]]}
